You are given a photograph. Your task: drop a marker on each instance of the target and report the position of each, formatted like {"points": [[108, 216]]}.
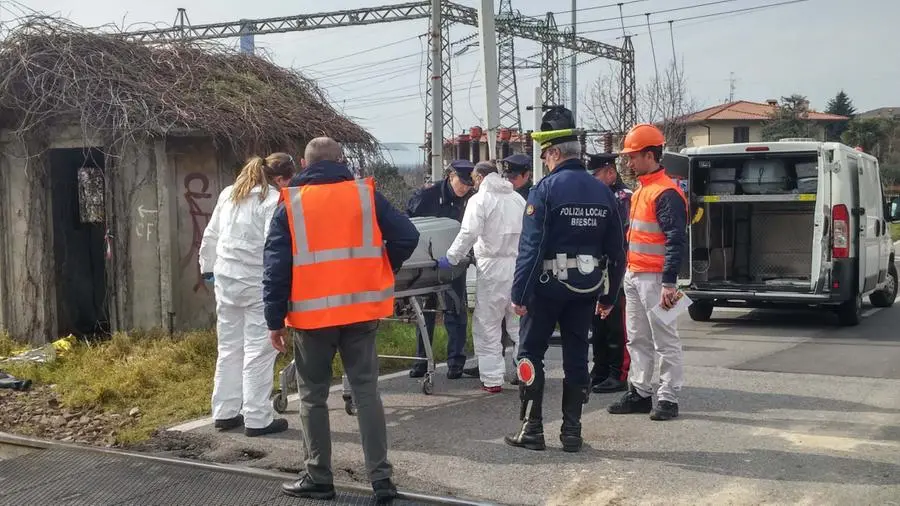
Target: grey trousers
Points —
{"points": [[313, 355]]}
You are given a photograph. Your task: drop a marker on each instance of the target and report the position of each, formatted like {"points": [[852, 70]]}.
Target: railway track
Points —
{"points": [[34, 471]]}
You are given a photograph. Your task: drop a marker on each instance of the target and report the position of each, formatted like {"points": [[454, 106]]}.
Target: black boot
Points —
{"points": [[229, 423], [277, 425], [631, 402], [574, 397], [609, 385], [472, 372], [531, 435], [307, 489]]}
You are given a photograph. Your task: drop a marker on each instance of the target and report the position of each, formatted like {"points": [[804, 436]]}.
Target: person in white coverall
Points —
{"points": [[231, 254], [492, 222]]}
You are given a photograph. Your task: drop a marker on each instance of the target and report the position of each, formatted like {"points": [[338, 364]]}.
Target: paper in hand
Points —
{"points": [[668, 316]]}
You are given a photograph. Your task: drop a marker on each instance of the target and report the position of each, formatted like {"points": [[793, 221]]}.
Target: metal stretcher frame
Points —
{"points": [[287, 378]]}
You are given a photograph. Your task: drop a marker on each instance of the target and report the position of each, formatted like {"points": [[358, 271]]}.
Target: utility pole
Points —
{"points": [[574, 63], [248, 44], [508, 92], [550, 71], [488, 45], [437, 94], [537, 164]]}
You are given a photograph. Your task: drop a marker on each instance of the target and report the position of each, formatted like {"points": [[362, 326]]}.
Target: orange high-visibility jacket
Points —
{"points": [[341, 272], [646, 241]]}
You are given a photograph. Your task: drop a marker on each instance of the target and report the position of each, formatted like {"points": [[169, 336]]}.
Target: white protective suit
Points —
{"points": [[492, 223], [232, 249]]}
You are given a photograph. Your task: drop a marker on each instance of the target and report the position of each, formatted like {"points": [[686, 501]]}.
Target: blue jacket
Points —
{"points": [[569, 212], [436, 201], [399, 234], [623, 198]]}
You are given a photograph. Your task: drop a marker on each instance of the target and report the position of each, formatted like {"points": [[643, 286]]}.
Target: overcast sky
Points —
{"points": [[813, 47]]}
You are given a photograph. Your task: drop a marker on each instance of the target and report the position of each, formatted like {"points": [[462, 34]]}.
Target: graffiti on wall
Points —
{"points": [[145, 228], [196, 187]]}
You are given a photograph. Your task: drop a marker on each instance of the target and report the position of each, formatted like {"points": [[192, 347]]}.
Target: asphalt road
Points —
{"points": [[778, 408]]}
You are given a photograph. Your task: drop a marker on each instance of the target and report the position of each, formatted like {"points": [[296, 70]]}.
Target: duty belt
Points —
{"points": [[559, 268]]}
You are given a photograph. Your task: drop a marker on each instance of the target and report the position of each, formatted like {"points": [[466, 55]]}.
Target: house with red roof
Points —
{"points": [[741, 121]]}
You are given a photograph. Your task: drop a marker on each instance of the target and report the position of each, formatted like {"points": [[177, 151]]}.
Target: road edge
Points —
{"points": [[206, 421]]}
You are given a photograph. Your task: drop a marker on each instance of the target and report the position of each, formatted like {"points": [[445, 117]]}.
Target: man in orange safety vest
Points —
{"points": [[331, 253], [656, 239]]}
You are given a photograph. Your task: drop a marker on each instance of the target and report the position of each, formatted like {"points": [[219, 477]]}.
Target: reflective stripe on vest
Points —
{"points": [[347, 299], [341, 273], [306, 257], [646, 240]]}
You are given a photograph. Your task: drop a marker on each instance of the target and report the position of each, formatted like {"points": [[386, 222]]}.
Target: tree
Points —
{"points": [[842, 106], [881, 138], [664, 101], [390, 183], [790, 119], [866, 133]]}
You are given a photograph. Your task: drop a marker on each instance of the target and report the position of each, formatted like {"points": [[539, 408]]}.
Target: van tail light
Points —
{"points": [[840, 231]]}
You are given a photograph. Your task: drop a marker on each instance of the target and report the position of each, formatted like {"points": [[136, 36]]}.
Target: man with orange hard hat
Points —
{"points": [[656, 239]]}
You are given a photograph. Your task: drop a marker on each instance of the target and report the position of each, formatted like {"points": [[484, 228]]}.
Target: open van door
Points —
{"points": [[821, 254], [678, 168]]}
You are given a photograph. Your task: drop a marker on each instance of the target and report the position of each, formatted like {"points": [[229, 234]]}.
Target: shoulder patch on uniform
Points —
{"points": [[529, 209]]}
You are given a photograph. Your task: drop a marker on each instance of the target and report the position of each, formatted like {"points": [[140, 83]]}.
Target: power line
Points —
{"points": [[401, 88], [376, 48], [663, 11], [671, 29], [597, 7], [374, 102], [703, 16]]}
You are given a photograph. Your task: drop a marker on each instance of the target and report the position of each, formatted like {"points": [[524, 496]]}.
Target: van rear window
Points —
{"points": [[755, 174]]}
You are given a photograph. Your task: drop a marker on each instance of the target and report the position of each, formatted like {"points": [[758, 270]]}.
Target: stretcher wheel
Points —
{"points": [[348, 405], [428, 385], [279, 402]]}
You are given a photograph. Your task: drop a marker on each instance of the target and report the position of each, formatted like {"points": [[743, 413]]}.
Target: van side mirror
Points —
{"points": [[894, 210]]}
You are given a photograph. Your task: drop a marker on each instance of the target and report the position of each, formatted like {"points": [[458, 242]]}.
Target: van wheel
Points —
{"points": [[850, 313], [700, 311], [886, 296]]}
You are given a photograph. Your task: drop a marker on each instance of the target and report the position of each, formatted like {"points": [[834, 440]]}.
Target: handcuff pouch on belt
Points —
{"points": [[559, 267]]}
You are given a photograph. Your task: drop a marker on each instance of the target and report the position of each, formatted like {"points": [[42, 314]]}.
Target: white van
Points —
{"points": [[790, 222]]}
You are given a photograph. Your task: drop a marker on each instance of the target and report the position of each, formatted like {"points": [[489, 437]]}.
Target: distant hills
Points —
{"points": [[406, 156]]}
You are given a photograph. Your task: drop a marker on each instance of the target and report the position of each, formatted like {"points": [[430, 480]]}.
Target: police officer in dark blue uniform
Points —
{"points": [[608, 336], [446, 199], [517, 169], [570, 230]]}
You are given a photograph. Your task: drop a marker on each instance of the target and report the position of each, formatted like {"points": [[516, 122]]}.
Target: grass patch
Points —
{"points": [[168, 378], [895, 231]]}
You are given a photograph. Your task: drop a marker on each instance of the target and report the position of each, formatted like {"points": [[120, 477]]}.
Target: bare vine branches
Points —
{"points": [[53, 71]]}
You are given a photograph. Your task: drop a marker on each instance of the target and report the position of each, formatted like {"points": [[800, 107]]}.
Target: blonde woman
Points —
{"points": [[231, 254]]}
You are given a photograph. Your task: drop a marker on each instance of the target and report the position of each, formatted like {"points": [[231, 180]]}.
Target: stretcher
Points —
{"points": [[408, 308], [417, 279]]}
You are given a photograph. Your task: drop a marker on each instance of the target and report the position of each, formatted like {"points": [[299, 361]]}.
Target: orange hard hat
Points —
{"points": [[642, 136]]}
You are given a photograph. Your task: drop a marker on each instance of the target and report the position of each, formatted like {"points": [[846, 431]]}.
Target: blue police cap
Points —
{"points": [[599, 160], [463, 169], [518, 163]]}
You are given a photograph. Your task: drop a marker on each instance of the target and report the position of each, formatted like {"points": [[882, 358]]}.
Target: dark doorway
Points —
{"points": [[79, 229]]}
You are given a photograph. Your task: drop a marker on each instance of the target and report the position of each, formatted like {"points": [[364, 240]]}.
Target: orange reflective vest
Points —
{"points": [[341, 272], [646, 241]]}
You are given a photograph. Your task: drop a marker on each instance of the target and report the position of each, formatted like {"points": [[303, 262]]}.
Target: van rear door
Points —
{"points": [[678, 168], [821, 243]]}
